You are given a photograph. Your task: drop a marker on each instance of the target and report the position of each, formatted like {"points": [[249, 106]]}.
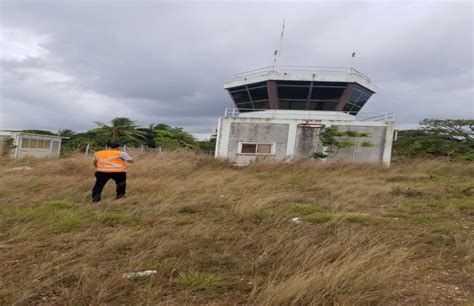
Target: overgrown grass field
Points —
{"points": [[222, 235]]}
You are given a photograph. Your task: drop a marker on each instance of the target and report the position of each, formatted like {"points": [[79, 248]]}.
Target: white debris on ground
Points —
{"points": [[19, 169], [133, 275], [296, 220]]}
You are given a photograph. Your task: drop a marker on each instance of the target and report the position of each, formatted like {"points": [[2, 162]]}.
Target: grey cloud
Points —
{"points": [[167, 62]]}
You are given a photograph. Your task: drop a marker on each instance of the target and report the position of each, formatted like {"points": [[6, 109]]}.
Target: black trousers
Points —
{"points": [[120, 179]]}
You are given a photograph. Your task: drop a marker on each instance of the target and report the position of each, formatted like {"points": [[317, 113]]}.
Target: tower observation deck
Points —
{"points": [[301, 88]]}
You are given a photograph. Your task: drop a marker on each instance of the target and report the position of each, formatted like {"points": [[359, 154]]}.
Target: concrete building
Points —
{"points": [[287, 114], [18, 144], [287, 135]]}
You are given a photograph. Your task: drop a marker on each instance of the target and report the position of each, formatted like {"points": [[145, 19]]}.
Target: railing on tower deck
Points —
{"points": [[272, 113], [316, 70], [375, 116]]}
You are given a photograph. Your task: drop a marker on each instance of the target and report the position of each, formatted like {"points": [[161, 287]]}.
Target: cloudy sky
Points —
{"points": [[65, 64]]}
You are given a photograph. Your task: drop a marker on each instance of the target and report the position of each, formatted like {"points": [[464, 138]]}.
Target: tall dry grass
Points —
{"points": [[219, 234]]}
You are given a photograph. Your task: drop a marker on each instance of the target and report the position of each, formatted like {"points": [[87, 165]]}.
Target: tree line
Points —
{"points": [[453, 138], [126, 131]]}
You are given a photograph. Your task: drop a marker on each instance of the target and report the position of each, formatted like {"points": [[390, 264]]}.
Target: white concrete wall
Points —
{"points": [[233, 130], [358, 153], [22, 149]]}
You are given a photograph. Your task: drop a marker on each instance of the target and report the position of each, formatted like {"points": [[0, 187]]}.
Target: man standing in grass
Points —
{"points": [[110, 164]]}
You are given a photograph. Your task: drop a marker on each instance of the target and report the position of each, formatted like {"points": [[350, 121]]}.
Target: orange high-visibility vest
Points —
{"points": [[109, 161]]}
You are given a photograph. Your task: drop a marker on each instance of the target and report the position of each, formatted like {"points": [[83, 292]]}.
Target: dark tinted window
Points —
{"points": [[351, 108], [298, 105], [323, 105], [363, 89], [259, 84], [360, 104], [362, 99], [240, 96], [236, 88], [326, 93], [338, 84], [294, 83], [244, 110], [295, 105], [262, 104], [259, 93], [328, 105], [245, 105], [284, 104], [347, 107], [286, 92], [354, 110], [355, 96]]}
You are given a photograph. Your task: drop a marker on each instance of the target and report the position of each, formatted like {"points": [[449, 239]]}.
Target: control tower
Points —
{"points": [[286, 114], [301, 88]]}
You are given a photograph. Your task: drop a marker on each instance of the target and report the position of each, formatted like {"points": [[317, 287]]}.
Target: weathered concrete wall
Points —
{"points": [[307, 141], [295, 139], [35, 153], [257, 132], [359, 153]]}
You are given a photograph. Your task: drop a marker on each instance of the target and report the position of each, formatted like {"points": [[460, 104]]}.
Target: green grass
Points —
{"points": [[199, 280], [63, 216], [437, 177], [305, 209], [426, 218], [322, 217], [319, 217], [360, 218], [465, 204], [117, 218]]}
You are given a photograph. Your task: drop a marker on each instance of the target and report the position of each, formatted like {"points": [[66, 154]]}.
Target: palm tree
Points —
{"points": [[66, 133], [121, 129]]}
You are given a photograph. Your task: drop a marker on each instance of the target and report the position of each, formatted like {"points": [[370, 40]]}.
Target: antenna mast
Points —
{"points": [[277, 52]]}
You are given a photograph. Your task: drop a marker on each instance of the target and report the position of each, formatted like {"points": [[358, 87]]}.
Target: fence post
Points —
{"points": [[87, 149]]}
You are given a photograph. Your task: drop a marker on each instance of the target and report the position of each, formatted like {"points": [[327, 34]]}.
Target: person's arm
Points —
{"points": [[95, 162], [124, 156]]}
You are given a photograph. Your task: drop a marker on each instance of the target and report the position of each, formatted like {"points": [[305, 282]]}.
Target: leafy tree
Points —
{"points": [[39, 132], [453, 129], [173, 138], [126, 131], [207, 145], [121, 129], [66, 133], [438, 138], [7, 147], [80, 143], [149, 136]]}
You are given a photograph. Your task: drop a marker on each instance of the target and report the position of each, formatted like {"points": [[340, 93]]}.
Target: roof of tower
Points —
{"points": [[302, 73]]}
